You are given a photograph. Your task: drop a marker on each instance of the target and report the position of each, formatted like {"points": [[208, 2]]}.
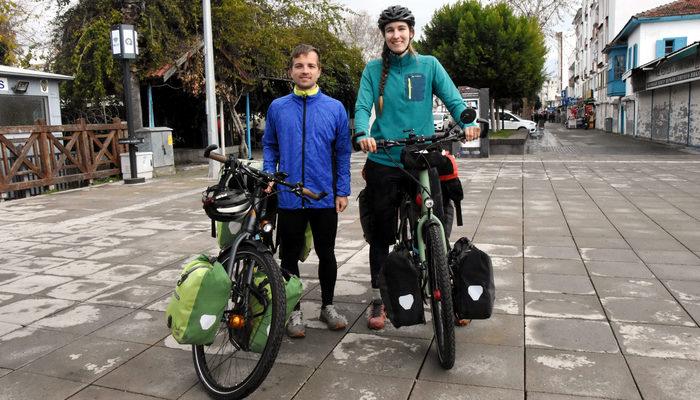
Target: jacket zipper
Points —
{"points": [[303, 147]]}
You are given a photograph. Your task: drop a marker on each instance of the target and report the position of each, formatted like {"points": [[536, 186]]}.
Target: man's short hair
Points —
{"points": [[304, 49]]}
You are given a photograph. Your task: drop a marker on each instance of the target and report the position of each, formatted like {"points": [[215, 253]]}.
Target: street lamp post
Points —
{"points": [[125, 47]]}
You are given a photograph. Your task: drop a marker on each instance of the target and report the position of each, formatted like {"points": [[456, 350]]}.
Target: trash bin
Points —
{"points": [[608, 124]]}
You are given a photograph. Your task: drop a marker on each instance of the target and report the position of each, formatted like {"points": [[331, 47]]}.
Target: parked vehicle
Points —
{"points": [[512, 121], [440, 121]]}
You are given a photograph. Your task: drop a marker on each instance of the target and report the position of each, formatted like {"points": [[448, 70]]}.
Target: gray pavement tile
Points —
{"points": [[33, 284], [131, 295], [554, 266], [618, 269], [78, 268], [160, 304], [28, 310], [7, 328], [447, 391], [642, 244], [24, 345], [581, 374], [81, 289], [85, 360], [686, 291], [510, 281], [666, 379], [548, 241], [540, 230], [345, 291], [500, 330], [282, 382], [645, 310], [82, 319], [10, 276], [570, 334], [309, 351], [160, 259], [20, 385], [567, 284], [356, 272], [324, 384], [101, 393], [500, 250], [598, 254], [630, 287], [141, 326], [507, 264], [669, 257], [36, 264], [599, 242], [508, 302], [479, 365], [76, 252], [553, 305], [491, 237], [122, 273], [563, 253], [158, 372], [4, 372], [379, 355], [164, 277], [659, 341], [676, 272], [550, 396], [119, 255]]}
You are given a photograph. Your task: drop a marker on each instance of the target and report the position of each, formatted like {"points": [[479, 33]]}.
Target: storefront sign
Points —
{"points": [[672, 73], [4, 85]]}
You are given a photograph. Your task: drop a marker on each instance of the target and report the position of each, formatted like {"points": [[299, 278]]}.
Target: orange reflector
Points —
{"points": [[236, 321]]}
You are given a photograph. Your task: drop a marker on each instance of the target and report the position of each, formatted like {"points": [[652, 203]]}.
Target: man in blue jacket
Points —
{"points": [[307, 136]]}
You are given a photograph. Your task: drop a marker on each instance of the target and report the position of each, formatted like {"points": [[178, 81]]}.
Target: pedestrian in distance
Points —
{"points": [[400, 86], [307, 136]]}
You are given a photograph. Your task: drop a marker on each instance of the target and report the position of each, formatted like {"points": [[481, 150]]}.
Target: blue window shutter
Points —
{"points": [[679, 43], [660, 48], [634, 57]]}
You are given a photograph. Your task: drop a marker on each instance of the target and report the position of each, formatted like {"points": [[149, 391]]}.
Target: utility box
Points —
{"points": [[159, 141], [608, 124], [144, 165]]}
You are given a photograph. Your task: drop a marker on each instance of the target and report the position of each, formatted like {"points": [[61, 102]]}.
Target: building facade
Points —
{"points": [[27, 96]]}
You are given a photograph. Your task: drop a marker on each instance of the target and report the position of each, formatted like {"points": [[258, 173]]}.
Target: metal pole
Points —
{"points": [[151, 118], [214, 166], [126, 78], [247, 125], [222, 129]]}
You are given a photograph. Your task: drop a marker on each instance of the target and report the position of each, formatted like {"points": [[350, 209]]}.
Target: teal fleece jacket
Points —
{"points": [[408, 100]]}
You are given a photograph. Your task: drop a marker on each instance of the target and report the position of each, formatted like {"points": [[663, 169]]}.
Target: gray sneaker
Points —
{"points": [[295, 325], [332, 318]]}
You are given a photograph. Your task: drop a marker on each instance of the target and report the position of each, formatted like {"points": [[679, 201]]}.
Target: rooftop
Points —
{"points": [[30, 73], [680, 7]]}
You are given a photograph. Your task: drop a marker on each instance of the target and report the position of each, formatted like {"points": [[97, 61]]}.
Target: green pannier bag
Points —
{"points": [[198, 303], [260, 325]]}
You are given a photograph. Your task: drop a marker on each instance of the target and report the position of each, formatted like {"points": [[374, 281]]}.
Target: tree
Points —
{"points": [[548, 13], [488, 47], [10, 13], [362, 32]]}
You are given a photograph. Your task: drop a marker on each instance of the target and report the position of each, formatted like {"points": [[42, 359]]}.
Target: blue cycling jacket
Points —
{"points": [[308, 138]]}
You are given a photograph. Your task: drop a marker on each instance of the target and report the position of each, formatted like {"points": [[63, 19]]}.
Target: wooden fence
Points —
{"points": [[37, 156]]}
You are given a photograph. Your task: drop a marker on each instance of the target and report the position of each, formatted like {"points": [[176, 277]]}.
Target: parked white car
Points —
{"points": [[440, 121], [512, 121]]}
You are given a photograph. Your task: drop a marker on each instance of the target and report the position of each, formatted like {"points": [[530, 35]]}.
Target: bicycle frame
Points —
{"points": [[427, 216]]}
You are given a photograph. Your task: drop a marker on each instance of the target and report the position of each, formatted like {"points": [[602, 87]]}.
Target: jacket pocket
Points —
{"points": [[415, 87]]}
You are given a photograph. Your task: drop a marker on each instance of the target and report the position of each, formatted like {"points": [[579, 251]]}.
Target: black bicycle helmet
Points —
{"points": [[225, 206], [396, 13]]}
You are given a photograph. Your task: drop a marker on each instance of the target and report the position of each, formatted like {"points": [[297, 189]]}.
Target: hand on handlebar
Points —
{"points": [[368, 145], [472, 132], [269, 187]]}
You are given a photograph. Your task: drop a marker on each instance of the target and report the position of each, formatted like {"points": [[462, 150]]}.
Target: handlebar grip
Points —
{"points": [[485, 125], [306, 192]]}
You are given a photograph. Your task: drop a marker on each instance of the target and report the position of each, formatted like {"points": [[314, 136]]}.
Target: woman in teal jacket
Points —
{"points": [[400, 87]]}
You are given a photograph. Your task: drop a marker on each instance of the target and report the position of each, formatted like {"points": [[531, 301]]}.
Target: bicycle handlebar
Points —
{"points": [[297, 188]]}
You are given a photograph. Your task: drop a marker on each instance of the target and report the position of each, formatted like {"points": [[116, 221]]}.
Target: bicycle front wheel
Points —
{"points": [[227, 368], [440, 297]]}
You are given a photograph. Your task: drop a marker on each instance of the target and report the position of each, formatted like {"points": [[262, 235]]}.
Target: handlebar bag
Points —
{"points": [[474, 291], [399, 285], [261, 311], [197, 305], [414, 157]]}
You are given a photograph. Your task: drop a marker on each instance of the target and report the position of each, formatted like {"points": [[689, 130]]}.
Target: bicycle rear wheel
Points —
{"points": [[440, 297], [227, 368]]}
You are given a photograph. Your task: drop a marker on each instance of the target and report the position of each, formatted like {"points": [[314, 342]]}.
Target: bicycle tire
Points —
{"points": [[214, 372], [442, 307]]}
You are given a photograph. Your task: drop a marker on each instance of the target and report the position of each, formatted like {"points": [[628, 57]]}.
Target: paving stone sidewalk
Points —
{"points": [[595, 240]]}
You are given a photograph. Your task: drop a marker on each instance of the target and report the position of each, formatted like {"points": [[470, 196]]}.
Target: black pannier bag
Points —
{"points": [[474, 291], [399, 284]]}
